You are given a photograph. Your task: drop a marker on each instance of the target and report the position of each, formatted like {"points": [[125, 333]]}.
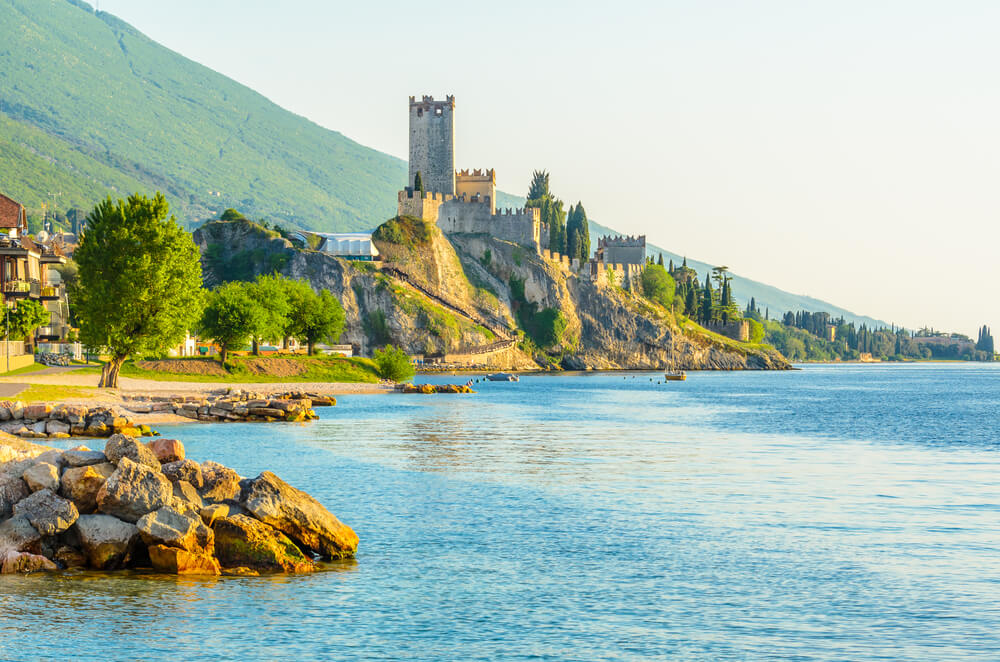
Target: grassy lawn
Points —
{"points": [[34, 367], [54, 393], [240, 370]]}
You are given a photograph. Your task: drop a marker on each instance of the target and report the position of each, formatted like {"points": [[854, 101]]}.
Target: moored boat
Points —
{"points": [[503, 377]]}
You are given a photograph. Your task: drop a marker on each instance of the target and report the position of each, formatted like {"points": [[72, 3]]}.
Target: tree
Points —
{"points": [[393, 363], [231, 317], [271, 293], [691, 302], [231, 215], [539, 187], [23, 319], [313, 317], [418, 183], [660, 262], [657, 285], [139, 286], [756, 331]]}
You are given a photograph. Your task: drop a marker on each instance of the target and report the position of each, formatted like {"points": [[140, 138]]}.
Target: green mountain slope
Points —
{"points": [[91, 107], [110, 99]]}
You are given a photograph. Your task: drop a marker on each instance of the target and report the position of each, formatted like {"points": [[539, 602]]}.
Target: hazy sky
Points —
{"points": [[845, 150]]}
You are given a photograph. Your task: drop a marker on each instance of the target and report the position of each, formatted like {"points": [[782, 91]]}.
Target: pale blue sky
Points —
{"points": [[846, 150]]}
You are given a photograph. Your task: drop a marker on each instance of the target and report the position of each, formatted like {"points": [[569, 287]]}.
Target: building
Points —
{"points": [[27, 272], [621, 250], [349, 245], [458, 202]]}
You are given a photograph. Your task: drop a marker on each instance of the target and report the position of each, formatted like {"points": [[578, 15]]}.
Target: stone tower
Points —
{"points": [[432, 143]]}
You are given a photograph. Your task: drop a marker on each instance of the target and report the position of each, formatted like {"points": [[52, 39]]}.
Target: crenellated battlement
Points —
{"points": [[427, 102], [622, 241], [482, 175]]}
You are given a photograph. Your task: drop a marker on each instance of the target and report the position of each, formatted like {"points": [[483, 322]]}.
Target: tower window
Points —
{"points": [[420, 112], [438, 111]]}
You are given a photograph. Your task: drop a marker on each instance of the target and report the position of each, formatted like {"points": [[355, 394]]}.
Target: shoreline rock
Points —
{"points": [[114, 510]]}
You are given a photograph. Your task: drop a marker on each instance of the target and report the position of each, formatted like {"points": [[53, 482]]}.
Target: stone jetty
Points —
{"points": [[428, 389], [59, 421], [144, 505], [294, 406]]}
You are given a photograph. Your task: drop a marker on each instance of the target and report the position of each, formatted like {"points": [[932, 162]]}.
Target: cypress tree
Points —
{"points": [[706, 303], [671, 264], [418, 183]]}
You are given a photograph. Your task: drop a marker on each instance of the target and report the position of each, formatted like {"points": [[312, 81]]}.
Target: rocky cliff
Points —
{"points": [[435, 295]]}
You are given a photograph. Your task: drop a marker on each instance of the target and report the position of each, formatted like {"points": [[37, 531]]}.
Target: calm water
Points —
{"points": [[848, 512]]}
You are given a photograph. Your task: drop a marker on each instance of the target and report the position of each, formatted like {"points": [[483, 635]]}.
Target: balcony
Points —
{"points": [[51, 333], [52, 292], [21, 289]]}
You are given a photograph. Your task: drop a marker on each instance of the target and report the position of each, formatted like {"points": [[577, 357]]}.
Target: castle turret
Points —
{"points": [[432, 144]]}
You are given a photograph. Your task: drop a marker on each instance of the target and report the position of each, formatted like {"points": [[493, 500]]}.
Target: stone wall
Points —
{"points": [[739, 331], [518, 226], [432, 144]]}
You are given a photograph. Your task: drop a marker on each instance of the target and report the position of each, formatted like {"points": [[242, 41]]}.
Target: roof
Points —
{"points": [[348, 243], [12, 213]]}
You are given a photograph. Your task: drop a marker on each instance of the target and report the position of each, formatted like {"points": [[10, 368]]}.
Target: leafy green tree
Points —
{"points": [[756, 331], [550, 210], [139, 286], [658, 286], [577, 233], [271, 293], [233, 315], [231, 215], [23, 319], [394, 364], [313, 317], [691, 302]]}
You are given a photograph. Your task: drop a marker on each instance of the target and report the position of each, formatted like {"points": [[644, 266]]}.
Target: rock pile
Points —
{"points": [[138, 505], [292, 406], [40, 421], [434, 388]]}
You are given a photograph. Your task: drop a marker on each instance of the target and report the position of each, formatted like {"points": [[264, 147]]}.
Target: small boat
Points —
{"points": [[672, 376], [503, 377]]}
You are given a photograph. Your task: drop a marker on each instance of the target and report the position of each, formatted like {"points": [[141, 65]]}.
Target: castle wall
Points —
{"points": [[426, 206], [432, 144], [519, 226], [625, 254]]}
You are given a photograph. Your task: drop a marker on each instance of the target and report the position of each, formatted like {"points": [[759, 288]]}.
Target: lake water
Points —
{"points": [[833, 513]]}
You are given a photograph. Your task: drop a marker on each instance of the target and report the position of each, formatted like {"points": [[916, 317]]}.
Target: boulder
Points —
{"points": [[300, 516], [107, 541], [169, 527], [69, 557], [185, 491], [41, 476], [186, 470], [56, 427], [81, 484], [167, 450], [37, 412], [242, 541], [121, 446], [12, 490], [48, 512], [220, 483], [13, 562], [182, 562], [16, 410], [211, 514], [133, 490], [17, 533], [83, 458]]}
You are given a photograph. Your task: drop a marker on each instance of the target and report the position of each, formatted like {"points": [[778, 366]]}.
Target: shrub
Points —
{"points": [[393, 363], [756, 331]]}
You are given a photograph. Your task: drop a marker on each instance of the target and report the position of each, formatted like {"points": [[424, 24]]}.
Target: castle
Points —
{"points": [[458, 201], [464, 202]]}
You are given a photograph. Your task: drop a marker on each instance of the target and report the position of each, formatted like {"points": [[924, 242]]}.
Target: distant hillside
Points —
{"points": [[89, 106], [766, 296]]}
